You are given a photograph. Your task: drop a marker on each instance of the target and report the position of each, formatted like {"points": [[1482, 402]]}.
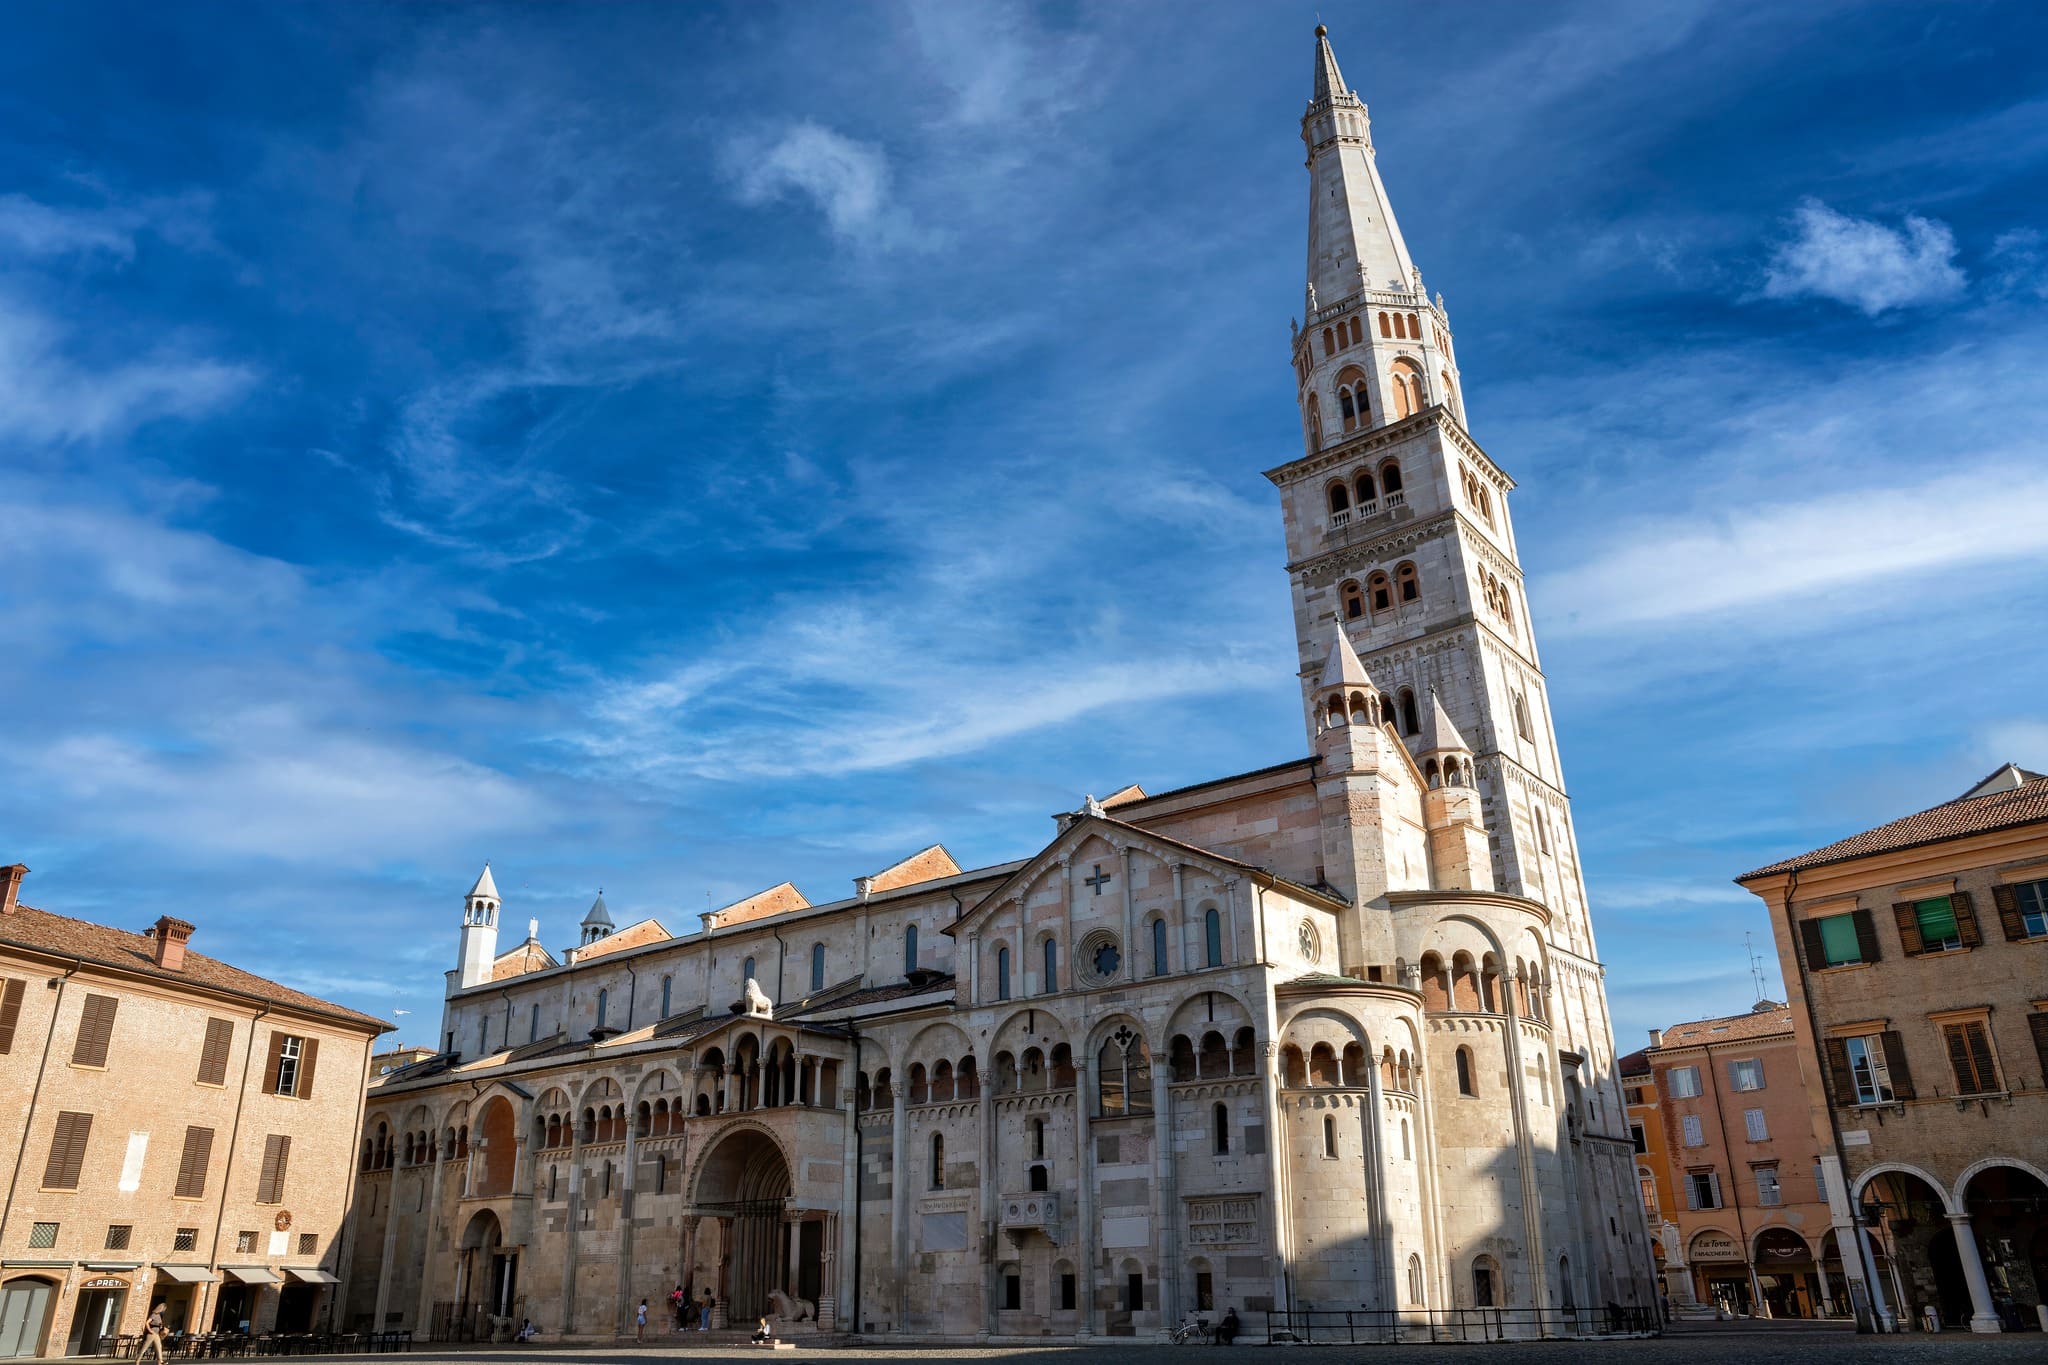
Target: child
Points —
{"points": [[640, 1322]]}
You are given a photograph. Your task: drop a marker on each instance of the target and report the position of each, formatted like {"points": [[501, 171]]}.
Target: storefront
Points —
{"points": [[182, 1290], [302, 1302], [241, 1298], [1720, 1272], [96, 1313], [1787, 1274]]}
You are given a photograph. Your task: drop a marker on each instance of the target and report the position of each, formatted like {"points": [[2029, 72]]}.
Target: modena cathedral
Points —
{"points": [[1331, 1035]]}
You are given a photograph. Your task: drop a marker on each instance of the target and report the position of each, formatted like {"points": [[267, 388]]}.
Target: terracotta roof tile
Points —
{"points": [[41, 931], [1728, 1028], [1950, 820]]}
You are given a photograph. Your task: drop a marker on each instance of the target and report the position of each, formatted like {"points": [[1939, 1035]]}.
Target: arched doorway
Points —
{"points": [[486, 1277], [24, 1313], [1915, 1251], [1786, 1272], [2008, 1210], [743, 1191], [497, 1156]]}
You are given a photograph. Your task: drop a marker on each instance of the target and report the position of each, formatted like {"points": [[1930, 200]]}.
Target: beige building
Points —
{"points": [[1745, 1225], [179, 1130], [1326, 1038], [1920, 998]]}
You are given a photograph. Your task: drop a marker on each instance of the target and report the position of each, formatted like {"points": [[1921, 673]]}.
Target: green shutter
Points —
{"points": [[1838, 941]]}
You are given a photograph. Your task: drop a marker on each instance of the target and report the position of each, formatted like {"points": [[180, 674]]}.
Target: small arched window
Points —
{"points": [[1365, 489], [1353, 598], [1357, 333], [1407, 1147], [1346, 410], [1382, 589], [1159, 947], [1220, 1130], [747, 971], [1390, 476], [910, 948], [1411, 722], [938, 1161], [1522, 726], [1465, 1084], [604, 998], [1212, 938], [1052, 967], [1414, 327], [1312, 418], [817, 966], [668, 984], [1340, 498], [1410, 584], [1329, 1136], [1002, 973], [1329, 343], [1386, 326], [1414, 1270]]}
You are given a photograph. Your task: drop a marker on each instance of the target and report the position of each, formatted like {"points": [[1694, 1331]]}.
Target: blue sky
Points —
{"points": [[675, 449]]}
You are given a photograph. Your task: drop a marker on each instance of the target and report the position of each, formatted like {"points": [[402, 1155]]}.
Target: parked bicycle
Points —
{"points": [[1194, 1329]]}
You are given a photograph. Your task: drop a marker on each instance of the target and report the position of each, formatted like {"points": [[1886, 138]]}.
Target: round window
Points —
{"points": [[1100, 959], [1106, 960], [1311, 941]]}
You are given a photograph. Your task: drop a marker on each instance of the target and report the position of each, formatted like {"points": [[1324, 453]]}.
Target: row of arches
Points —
{"points": [[1407, 394], [1499, 600], [1477, 495], [1470, 986], [1366, 708], [1363, 489], [1452, 772], [382, 1149], [1381, 590], [1213, 1058]]}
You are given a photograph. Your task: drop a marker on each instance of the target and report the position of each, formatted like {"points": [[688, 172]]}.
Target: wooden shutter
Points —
{"points": [[1692, 1192], [1810, 943], [1714, 1181], [270, 1063], [10, 1011], [95, 1031], [1841, 1076], [1909, 928], [2038, 1023], [1866, 935], [1966, 919], [1978, 1036], [2006, 898], [213, 1057], [309, 1052], [277, 1151], [1895, 1065], [192, 1163], [67, 1151]]}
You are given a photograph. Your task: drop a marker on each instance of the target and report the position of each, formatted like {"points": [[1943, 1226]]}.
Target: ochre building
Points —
{"points": [[1329, 1037], [1919, 989], [177, 1130]]}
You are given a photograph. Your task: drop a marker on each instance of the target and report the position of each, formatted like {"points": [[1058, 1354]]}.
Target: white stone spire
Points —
{"points": [[1343, 668], [1353, 241], [1438, 734], [484, 885], [479, 946]]}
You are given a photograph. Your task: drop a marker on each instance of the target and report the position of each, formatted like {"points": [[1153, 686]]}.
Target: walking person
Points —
{"points": [[153, 1335], [704, 1322], [640, 1322]]}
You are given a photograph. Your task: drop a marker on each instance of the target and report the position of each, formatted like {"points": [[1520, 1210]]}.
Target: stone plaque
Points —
{"points": [[1223, 1222]]}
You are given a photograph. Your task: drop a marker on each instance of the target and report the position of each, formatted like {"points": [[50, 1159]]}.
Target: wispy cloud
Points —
{"points": [[1863, 263], [846, 180], [48, 393]]}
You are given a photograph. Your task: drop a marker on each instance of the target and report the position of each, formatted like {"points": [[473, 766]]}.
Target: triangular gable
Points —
{"points": [[632, 936], [1080, 828], [526, 957], [926, 865], [779, 899], [1125, 797]]}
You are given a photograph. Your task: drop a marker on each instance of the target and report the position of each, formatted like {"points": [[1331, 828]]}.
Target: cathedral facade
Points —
{"points": [[1328, 1036]]}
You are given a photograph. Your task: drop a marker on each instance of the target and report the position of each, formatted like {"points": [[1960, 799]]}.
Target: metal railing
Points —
{"points": [[1386, 1326]]}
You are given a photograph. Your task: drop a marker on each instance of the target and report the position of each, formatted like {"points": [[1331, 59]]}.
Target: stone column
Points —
{"points": [[1165, 1205], [630, 1177], [572, 1221], [899, 1194], [385, 1263], [1880, 1307], [991, 1196], [435, 1171], [795, 1223], [1983, 1312], [828, 1302], [1276, 1173], [1084, 1198], [1525, 1156]]}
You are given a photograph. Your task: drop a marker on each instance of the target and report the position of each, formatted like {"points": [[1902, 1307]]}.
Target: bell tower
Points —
{"points": [[479, 931]]}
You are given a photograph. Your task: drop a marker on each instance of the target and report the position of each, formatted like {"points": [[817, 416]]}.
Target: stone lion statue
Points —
{"points": [[788, 1310], [757, 1001]]}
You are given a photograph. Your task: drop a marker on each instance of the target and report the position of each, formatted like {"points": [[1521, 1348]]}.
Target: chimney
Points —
{"points": [[1656, 1037], [170, 943], [10, 886]]}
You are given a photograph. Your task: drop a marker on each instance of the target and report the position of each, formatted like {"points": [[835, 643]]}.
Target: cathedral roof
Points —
{"points": [[485, 886], [1438, 734], [1343, 668], [2002, 807]]}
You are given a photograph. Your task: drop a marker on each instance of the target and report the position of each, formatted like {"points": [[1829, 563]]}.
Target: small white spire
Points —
{"points": [[485, 887], [1438, 734], [1343, 668]]}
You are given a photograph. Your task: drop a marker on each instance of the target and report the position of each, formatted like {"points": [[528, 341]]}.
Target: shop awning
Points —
{"points": [[188, 1274], [251, 1274], [311, 1274]]}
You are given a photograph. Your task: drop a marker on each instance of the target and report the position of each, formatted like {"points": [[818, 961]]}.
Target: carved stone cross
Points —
{"points": [[1098, 881]]}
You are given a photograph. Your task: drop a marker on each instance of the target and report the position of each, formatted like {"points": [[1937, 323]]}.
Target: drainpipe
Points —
{"points": [[56, 984], [220, 1210], [632, 992]]}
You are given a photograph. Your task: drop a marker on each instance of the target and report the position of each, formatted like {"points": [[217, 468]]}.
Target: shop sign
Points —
{"points": [[1712, 1246], [105, 1282]]}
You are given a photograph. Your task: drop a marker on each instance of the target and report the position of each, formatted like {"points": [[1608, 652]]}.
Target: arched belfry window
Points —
{"points": [[1409, 584], [1357, 333], [1353, 598], [1382, 590], [1366, 492], [1411, 722], [1340, 498], [910, 948], [1390, 476], [1346, 410], [1123, 1071]]}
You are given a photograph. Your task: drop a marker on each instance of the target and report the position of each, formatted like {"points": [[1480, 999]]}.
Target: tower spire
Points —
{"points": [[1354, 244], [1329, 80]]}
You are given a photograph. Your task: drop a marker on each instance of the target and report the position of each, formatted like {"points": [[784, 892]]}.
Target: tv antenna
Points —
{"points": [[1756, 967]]}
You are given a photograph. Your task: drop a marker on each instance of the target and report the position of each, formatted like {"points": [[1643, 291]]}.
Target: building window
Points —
{"points": [[1134, 1293], [1052, 968], [1695, 1131], [245, 1243], [1205, 1291], [1159, 947], [1684, 1083], [1220, 1129], [1937, 925], [185, 1239], [604, 999], [309, 1244], [1123, 1071], [1702, 1189], [1002, 973], [213, 1054], [1969, 1057], [1212, 938], [42, 1236], [67, 1151], [2022, 910], [818, 967], [1632, 1094], [938, 1161], [1839, 940], [1013, 1291], [277, 1155], [747, 971], [667, 994], [1353, 598], [1409, 583], [1747, 1074], [95, 1031], [117, 1236], [1869, 1069], [1482, 1284], [1639, 1137], [1753, 1126], [1646, 1185], [192, 1163], [1329, 1136], [1464, 1061], [1768, 1194], [1382, 589], [909, 948], [1414, 1280], [1067, 1291]]}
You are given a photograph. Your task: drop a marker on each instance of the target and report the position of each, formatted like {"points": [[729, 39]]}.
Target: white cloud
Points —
{"points": [[1863, 263], [1666, 571], [847, 180], [29, 228], [46, 396]]}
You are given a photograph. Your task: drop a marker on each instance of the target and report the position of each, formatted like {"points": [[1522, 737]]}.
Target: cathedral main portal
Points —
{"points": [[746, 1224]]}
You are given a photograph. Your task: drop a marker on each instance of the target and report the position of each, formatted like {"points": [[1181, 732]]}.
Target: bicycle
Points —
{"points": [[1194, 1329]]}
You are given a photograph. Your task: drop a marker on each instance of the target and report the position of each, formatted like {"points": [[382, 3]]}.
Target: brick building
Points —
{"points": [[1646, 1134], [1725, 1116], [176, 1130], [1919, 986]]}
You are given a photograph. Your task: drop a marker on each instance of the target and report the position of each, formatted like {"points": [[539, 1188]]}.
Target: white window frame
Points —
{"points": [[1685, 1082], [1694, 1131], [1754, 1125], [1866, 1061], [1746, 1073]]}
